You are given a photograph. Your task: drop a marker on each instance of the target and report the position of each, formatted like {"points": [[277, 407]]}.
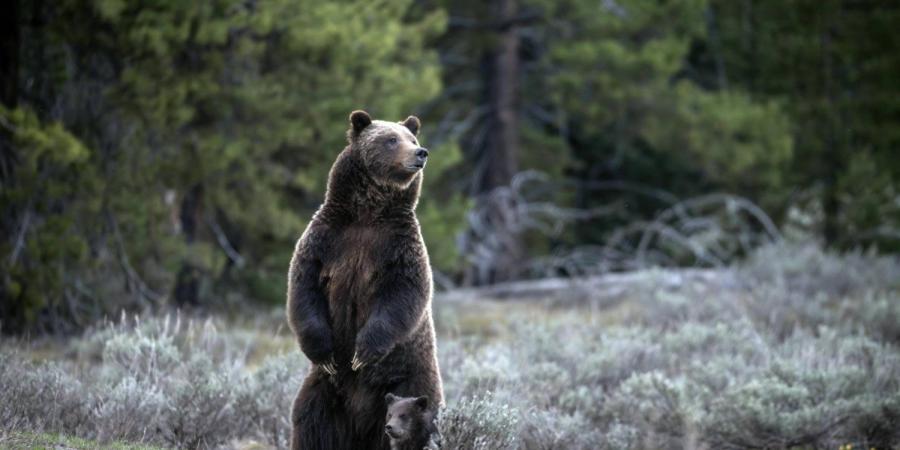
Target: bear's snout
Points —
{"points": [[421, 156], [389, 430]]}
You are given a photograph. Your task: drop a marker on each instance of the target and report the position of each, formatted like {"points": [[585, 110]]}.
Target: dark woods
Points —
{"points": [[171, 155]]}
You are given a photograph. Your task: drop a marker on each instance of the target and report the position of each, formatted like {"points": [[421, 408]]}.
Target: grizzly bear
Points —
{"points": [[410, 423], [359, 292]]}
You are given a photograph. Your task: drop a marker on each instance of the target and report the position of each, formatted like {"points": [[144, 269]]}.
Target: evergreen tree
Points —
{"points": [[198, 135], [833, 64]]}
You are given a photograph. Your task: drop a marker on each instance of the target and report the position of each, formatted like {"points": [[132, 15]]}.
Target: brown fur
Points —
{"points": [[410, 423], [360, 289]]}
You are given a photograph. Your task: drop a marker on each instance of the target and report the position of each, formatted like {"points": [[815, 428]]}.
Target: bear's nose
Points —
{"points": [[388, 428], [421, 153]]}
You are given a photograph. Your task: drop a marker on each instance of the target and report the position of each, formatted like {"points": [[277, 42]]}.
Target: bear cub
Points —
{"points": [[410, 423]]}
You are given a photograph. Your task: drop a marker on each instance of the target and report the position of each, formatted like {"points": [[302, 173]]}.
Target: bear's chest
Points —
{"points": [[349, 275]]}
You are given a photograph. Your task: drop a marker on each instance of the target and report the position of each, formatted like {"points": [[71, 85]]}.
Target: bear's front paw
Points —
{"points": [[366, 356]]}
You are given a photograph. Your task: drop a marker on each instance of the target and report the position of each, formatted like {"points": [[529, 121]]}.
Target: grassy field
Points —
{"points": [[792, 349]]}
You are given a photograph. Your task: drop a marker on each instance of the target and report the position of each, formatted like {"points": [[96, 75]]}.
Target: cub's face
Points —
{"points": [[405, 416], [390, 151]]}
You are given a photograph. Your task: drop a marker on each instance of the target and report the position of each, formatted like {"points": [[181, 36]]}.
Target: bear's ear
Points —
{"points": [[413, 123], [359, 120], [390, 399], [422, 402]]}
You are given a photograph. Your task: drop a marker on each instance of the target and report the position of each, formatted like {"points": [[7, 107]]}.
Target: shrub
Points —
{"points": [[161, 380], [129, 411], [770, 361], [551, 429], [265, 398], [479, 423], [46, 397]]}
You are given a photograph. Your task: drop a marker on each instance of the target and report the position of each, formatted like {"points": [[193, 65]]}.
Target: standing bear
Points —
{"points": [[359, 292]]}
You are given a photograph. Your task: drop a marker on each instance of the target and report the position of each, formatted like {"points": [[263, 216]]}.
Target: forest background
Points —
{"points": [[169, 153]]}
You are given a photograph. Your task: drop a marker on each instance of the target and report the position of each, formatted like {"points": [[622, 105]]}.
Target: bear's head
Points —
{"points": [[407, 418], [390, 151]]}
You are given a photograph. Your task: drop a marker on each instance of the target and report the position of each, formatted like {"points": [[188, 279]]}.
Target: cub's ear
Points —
{"points": [[422, 402], [413, 123], [390, 399], [359, 120]]}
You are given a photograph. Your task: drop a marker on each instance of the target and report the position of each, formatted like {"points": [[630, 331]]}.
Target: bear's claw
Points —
{"points": [[329, 367], [356, 363]]}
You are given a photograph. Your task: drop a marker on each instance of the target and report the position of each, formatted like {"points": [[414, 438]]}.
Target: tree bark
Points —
{"points": [[9, 53], [833, 161], [497, 153], [187, 282], [9, 83], [502, 140]]}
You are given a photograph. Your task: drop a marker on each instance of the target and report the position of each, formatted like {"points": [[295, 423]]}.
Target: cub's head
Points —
{"points": [[407, 417], [390, 151]]}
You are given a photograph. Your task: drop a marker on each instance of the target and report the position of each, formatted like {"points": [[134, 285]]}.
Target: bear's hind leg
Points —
{"points": [[317, 420]]}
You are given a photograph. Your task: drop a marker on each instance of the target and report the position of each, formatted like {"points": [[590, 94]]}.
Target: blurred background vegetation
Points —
{"points": [[165, 153]]}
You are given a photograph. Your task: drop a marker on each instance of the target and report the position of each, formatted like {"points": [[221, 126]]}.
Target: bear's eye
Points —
{"points": [[392, 141], [402, 416]]}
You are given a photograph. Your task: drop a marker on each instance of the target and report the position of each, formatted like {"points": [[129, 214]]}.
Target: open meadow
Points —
{"points": [[793, 348]]}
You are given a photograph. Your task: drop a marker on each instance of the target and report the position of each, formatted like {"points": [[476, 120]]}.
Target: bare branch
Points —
{"points": [[706, 231], [20, 236], [224, 243], [143, 290]]}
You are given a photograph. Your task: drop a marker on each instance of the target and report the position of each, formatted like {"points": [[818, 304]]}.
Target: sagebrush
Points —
{"points": [[795, 348]]}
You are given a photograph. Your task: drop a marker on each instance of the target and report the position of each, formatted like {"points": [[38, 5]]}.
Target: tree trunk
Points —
{"points": [[9, 70], [9, 83], [11, 309], [187, 282], [498, 151], [502, 140], [9, 53], [833, 161]]}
